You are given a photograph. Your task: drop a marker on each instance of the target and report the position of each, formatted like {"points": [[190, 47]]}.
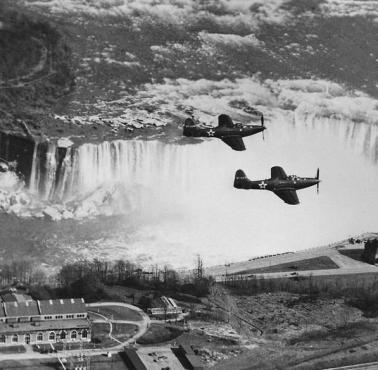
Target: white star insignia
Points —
{"points": [[262, 185], [211, 132]]}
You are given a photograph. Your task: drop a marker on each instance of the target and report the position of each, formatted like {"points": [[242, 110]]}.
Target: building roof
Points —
{"points": [[132, 359], [46, 307], [2, 312], [15, 297], [187, 349], [195, 362], [17, 309], [62, 306], [27, 327]]}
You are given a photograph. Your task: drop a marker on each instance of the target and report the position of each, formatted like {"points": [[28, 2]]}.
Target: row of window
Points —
{"points": [[52, 336], [68, 316], [48, 317]]}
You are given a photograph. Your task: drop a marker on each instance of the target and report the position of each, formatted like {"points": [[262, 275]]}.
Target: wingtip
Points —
{"points": [[292, 203]]}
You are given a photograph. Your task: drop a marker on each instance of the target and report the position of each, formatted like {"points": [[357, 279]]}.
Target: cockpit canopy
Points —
{"points": [[293, 177]]}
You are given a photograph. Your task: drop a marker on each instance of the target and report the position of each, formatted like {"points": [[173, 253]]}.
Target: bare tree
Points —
{"points": [[199, 268]]}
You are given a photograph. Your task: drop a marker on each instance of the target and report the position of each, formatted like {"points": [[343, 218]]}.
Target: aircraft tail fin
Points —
{"points": [[189, 126], [189, 122], [240, 179], [225, 121]]}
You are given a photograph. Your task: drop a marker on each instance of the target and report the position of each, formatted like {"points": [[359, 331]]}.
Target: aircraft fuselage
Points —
{"points": [[221, 132], [293, 182]]}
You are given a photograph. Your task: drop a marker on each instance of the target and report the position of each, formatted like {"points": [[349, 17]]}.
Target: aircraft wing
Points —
{"points": [[289, 196], [277, 173], [234, 141]]}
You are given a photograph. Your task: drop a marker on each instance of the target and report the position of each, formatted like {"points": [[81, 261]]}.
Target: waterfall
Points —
{"points": [[178, 199], [61, 174], [174, 170]]}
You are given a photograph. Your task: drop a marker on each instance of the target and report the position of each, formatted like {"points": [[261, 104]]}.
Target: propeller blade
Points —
{"points": [[317, 185]]}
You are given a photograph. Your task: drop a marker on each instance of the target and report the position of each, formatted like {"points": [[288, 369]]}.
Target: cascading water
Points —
{"points": [[62, 174], [181, 199]]}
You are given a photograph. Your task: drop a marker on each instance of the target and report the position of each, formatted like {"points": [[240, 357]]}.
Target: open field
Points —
{"points": [[123, 332], [117, 313], [158, 333], [355, 254], [341, 255], [315, 263]]}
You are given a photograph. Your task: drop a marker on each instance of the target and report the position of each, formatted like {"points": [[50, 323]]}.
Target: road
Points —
{"points": [[366, 366]]}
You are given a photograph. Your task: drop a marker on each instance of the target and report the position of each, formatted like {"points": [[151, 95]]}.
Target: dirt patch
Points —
{"points": [[297, 330], [287, 314]]}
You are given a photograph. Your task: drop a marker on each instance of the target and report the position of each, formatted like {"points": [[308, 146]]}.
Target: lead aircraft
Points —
{"points": [[279, 183], [229, 132]]}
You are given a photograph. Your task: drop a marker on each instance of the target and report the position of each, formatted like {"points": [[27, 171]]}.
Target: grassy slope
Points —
{"points": [[35, 68], [316, 263]]}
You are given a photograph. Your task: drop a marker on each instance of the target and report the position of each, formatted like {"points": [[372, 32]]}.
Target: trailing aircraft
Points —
{"points": [[279, 183], [229, 132]]}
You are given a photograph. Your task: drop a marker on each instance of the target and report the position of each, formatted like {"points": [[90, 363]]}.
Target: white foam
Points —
{"points": [[230, 40], [247, 13], [350, 8]]}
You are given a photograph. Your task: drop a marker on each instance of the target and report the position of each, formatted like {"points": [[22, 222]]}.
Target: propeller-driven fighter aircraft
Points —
{"points": [[279, 183], [229, 132]]}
